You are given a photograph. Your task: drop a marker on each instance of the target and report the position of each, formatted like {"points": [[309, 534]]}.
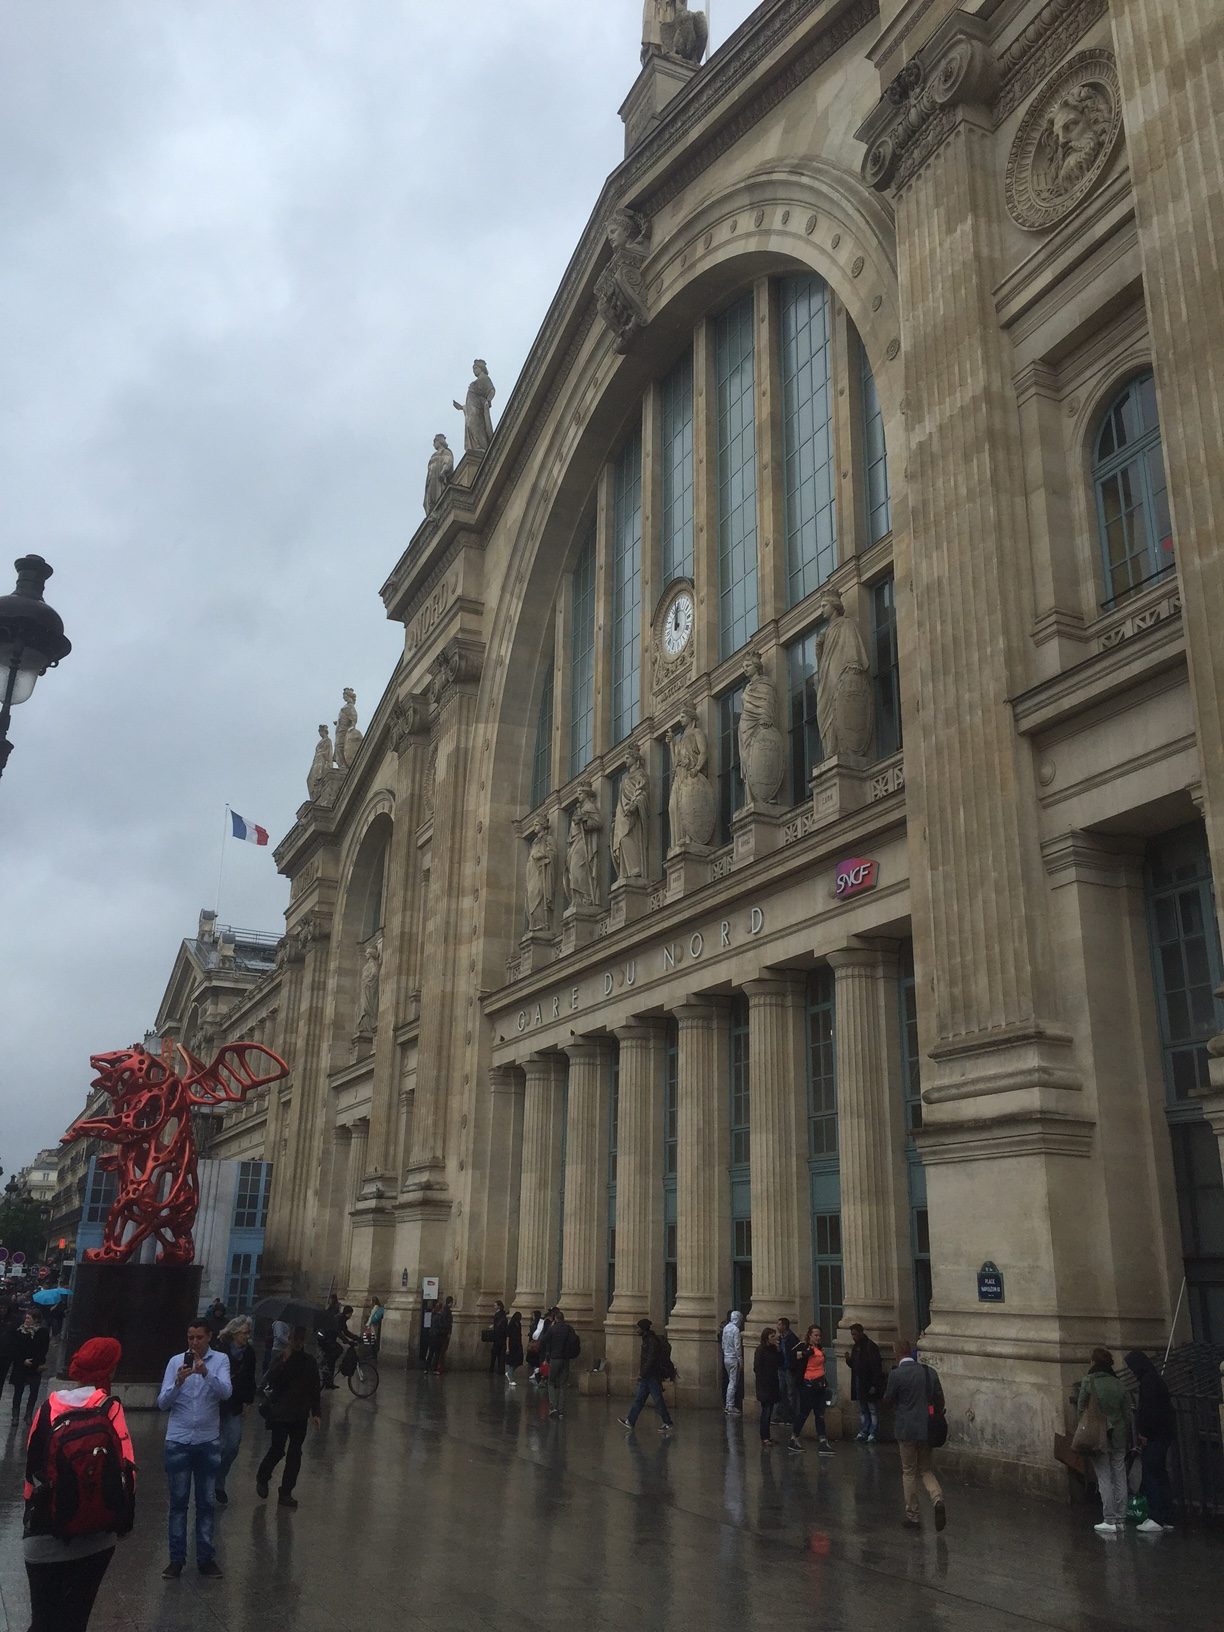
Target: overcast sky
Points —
{"points": [[249, 253]]}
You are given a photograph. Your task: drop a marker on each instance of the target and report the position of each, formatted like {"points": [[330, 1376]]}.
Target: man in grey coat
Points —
{"points": [[912, 1390]]}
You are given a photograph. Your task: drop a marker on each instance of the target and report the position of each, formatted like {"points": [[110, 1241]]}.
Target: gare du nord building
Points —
{"points": [[790, 829]]}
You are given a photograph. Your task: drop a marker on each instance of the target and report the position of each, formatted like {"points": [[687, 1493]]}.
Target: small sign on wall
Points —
{"points": [[855, 875], [990, 1283], [429, 1287]]}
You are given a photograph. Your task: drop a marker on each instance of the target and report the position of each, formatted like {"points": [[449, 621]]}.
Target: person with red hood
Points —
{"points": [[71, 1529]]}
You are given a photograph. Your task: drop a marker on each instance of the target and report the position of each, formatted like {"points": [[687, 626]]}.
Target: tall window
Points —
{"points": [[376, 887], [665, 784], [670, 1154], [875, 455], [100, 1196], [251, 1196], [807, 443], [1131, 490], [613, 1115], [541, 763], [677, 395], [805, 749], [911, 1087], [626, 586], [243, 1279], [730, 777], [582, 658], [824, 1172], [741, 1158], [887, 681], [735, 378]]}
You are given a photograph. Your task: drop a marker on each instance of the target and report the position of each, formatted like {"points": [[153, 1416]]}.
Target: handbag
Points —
{"points": [[487, 1335], [1091, 1434], [937, 1416]]}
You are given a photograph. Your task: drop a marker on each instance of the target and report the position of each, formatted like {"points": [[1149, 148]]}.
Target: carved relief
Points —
{"points": [[541, 861], [620, 292], [455, 665], [1065, 142], [409, 719]]}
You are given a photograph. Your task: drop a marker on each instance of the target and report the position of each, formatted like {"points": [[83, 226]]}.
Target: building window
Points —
{"points": [[541, 763], [821, 1068], [372, 906], [251, 1195], [805, 750], [582, 658], [243, 1280], [626, 586], [741, 1157], [887, 680], [730, 779], [100, 1196], [1131, 490], [875, 456], [824, 1173], [807, 442], [677, 398], [613, 1115], [735, 379], [828, 1293], [670, 1152], [911, 1088], [665, 783]]}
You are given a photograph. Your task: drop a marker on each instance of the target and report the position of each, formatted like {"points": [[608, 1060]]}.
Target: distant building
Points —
{"points": [[41, 1176]]}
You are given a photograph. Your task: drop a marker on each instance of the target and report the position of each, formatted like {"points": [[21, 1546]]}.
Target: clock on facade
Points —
{"points": [[678, 623]]}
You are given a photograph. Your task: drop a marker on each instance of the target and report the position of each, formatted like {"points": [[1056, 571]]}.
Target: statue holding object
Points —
{"points": [[670, 28]]}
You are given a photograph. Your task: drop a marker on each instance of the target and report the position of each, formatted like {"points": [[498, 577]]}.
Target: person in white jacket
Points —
{"points": [[733, 1359]]}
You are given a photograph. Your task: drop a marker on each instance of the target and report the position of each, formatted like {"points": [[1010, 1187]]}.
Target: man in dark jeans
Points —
{"points": [[654, 1368], [788, 1345], [559, 1345], [294, 1387], [866, 1382], [440, 1335], [1155, 1428], [29, 1345]]}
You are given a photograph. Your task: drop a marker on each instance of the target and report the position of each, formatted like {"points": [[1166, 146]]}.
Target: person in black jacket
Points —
{"points": [[766, 1367], [235, 1344], [498, 1358], [559, 1345], [30, 1343], [514, 1347], [866, 1382], [654, 1368], [292, 1386], [10, 1320], [1155, 1427]]}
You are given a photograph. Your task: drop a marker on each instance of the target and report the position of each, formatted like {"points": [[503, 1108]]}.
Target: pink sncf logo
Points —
{"points": [[854, 876]]}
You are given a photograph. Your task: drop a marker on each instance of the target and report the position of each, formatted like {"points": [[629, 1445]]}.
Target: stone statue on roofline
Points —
{"points": [[477, 409], [348, 738], [321, 764], [670, 28], [438, 473]]}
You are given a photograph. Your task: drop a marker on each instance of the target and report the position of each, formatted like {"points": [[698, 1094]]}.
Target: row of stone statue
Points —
{"points": [[477, 411], [332, 756], [844, 718]]}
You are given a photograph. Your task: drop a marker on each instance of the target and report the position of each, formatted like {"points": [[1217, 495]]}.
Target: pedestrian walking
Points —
{"points": [[766, 1365], [514, 1347], [1155, 1429], [535, 1333], [559, 1347], [733, 1360], [328, 1338], [497, 1359], [914, 1394], [810, 1367], [293, 1394], [10, 1320], [193, 1389], [440, 1335], [373, 1326], [788, 1346], [235, 1344], [866, 1370], [216, 1315], [71, 1533], [654, 1369], [1103, 1394], [29, 1345]]}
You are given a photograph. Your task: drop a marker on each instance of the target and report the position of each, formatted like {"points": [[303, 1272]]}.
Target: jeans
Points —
{"points": [[789, 1404], [812, 1398], [767, 1410], [287, 1441], [62, 1595], [27, 1382], [916, 1465], [869, 1418], [1110, 1468], [1156, 1487], [558, 1373], [733, 1377], [185, 1463], [231, 1438], [649, 1388]]}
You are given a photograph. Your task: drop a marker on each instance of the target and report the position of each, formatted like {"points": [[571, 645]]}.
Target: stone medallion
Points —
{"points": [[1065, 141]]}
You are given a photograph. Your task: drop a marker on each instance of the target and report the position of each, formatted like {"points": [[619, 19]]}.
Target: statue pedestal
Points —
{"points": [[579, 926], [662, 76], [839, 786], [688, 869], [363, 1045], [539, 949], [756, 830], [630, 899], [147, 1307]]}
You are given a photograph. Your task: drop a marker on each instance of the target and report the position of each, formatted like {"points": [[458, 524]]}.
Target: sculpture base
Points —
{"points": [[629, 900], [688, 869], [756, 830], [579, 926], [148, 1307], [839, 786], [539, 949]]}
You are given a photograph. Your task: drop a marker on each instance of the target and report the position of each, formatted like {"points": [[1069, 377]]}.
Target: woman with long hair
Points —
{"points": [[767, 1368], [235, 1343]]}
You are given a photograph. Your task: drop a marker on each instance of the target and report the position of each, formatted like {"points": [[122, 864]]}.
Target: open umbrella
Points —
{"points": [[49, 1296], [290, 1310]]}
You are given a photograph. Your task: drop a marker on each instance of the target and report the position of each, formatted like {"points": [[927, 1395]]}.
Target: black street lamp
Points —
{"points": [[32, 640]]}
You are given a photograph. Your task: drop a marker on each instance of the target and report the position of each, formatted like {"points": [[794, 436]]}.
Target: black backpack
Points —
{"points": [[663, 1359], [573, 1346]]}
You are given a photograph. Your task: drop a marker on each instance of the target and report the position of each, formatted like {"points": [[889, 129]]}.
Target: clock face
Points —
{"points": [[678, 623]]}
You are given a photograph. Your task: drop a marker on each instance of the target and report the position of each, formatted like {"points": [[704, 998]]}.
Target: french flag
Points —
{"points": [[248, 830]]}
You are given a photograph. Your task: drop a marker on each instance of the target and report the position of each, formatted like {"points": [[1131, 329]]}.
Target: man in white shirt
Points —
{"points": [[733, 1359], [192, 1390]]}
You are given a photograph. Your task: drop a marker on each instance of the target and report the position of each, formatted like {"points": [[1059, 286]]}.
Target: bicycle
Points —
{"points": [[362, 1373]]}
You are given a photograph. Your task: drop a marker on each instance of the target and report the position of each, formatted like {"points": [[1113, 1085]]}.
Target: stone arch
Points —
{"points": [[364, 870]]}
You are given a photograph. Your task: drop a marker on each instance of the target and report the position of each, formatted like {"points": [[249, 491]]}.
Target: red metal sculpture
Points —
{"points": [[151, 1125]]}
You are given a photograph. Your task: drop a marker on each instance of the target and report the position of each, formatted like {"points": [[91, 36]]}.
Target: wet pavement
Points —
{"points": [[447, 1503]]}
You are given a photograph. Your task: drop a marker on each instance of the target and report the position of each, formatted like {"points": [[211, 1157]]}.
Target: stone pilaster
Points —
{"points": [[639, 1191], [775, 1067], [539, 1229], [584, 1217], [701, 1118], [868, 1215], [501, 1147]]}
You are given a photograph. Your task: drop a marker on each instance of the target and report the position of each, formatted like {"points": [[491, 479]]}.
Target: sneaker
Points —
{"points": [[1106, 1529], [625, 1423], [261, 1488], [554, 1413], [1166, 1527], [871, 1439], [941, 1515], [211, 1567], [283, 1499], [1149, 1527], [767, 1444], [795, 1444], [825, 1448], [860, 1439], [667, 1427], [734, 1411], [173, 1570], [220, 1496]]}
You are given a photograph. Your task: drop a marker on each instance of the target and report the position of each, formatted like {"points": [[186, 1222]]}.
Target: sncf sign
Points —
{"points": [[854, 876]]}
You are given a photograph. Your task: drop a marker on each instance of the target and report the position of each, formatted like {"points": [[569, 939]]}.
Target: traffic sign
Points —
{"points": [[3, 1254], [19, 1257]]}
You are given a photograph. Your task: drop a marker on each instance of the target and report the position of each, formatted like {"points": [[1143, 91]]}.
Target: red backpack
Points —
{"points": [[83, 1484]]}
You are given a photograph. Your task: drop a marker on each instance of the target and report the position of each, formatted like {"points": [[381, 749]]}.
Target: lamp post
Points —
{"points": [[32, 641]]}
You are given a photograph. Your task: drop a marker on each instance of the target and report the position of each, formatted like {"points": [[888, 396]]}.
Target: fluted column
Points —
{"points": [[868, 1216], [501, 1144], [701, 1244], [584, 1214], [775, 1075], [540, 1181], [639, 1192]]}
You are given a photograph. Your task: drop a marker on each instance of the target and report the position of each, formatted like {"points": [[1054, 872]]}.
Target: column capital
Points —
{"points": [[505, 1079], [644, 1030], [586, 1048], [847, 958], [778, 987], [542, 1067], [696, 1011]]}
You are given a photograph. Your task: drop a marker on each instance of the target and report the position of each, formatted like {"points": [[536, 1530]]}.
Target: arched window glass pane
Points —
{"points": [[626, 586], [735, 374], [582, 658], [372, 912], [677, 394], [541, 766], [1132, 491], [875, 456], [807, 420]]}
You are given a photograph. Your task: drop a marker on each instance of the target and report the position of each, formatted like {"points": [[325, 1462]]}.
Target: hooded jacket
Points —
{"points": [[733, 1340], [1154, 1417]]}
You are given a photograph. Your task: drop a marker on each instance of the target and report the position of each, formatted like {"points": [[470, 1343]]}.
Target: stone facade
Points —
{"points": [[930, 327]]}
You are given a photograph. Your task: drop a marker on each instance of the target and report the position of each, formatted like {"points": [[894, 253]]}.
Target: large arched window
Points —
{"points": [[1131, 490]]}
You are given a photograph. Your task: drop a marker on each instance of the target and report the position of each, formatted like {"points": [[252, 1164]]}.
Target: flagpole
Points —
{"points": [[221, 864]]}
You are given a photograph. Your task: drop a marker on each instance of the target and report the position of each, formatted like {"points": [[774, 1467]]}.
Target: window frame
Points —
{"points": [[1134, 456]]}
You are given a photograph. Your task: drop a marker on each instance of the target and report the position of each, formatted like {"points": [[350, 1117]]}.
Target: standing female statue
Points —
{"points": [[629, 822], [438, 472], [761, 749], [845, 713], [348, 738], [321, 764], [367, 1010], [477, 410], [690, 809], [582, 851], [540, 860]]}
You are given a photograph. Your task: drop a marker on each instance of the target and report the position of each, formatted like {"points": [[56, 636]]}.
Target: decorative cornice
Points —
{"points": [[456, 668], [1040, 47]]}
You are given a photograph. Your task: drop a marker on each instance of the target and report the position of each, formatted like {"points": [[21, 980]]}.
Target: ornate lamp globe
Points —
{"points": [[32, 640]]}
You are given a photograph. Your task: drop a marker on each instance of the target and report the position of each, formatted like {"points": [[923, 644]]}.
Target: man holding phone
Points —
{"points": [[192, 1390]]}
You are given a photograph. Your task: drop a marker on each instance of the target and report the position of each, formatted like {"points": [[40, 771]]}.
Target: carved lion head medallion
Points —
{"points": [[1065, 141]]}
